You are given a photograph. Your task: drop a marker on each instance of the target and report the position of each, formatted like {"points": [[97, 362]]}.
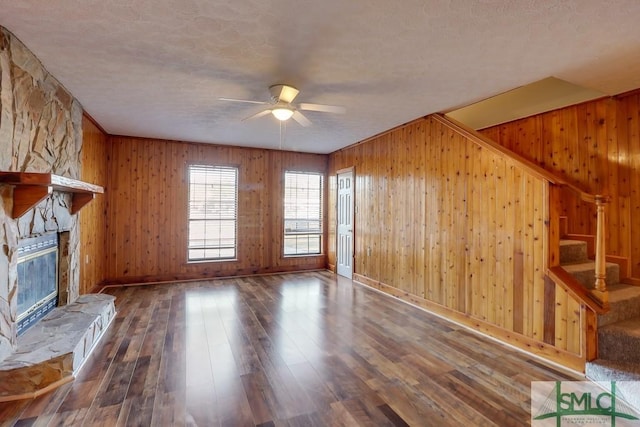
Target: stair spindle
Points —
{"points": [[601, 267]]}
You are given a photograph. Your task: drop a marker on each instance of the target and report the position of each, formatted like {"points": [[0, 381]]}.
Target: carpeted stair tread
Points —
{"points": [[630, 327], [624, 302], [573, 251], [626, 375], [619, 328], [584, 272], [609, 370], [620, 341], [620, 292]]}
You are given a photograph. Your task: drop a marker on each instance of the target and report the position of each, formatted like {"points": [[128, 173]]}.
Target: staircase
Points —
{"points": [[619, 329]]}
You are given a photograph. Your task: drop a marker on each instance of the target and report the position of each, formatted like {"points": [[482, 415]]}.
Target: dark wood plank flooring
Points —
{"points": [[309, 349]]}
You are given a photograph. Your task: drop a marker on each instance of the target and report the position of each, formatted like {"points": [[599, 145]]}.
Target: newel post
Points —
{"points": [[601, 264]]}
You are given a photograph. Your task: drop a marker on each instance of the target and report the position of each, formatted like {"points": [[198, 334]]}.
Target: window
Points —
{"points": [[213, 212], [302, 213]]}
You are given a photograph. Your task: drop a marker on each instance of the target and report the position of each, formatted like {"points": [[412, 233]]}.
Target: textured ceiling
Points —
{"points": [[155, 68]]}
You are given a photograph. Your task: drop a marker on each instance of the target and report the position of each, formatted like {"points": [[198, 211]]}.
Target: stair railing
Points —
{"points": [[599, 292]]}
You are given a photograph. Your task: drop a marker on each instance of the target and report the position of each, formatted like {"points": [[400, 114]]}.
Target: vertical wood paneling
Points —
{"points": [[595, 145], [538, 259], [575, 333], [476, 224], [553, 305], [518, 294], [148, 209], [633, 171], [560, 301], [93, 217], [419, 230], [462, 230]]}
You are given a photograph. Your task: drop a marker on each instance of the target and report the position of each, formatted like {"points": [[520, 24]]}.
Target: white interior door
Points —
{"points": [[344, 253]]}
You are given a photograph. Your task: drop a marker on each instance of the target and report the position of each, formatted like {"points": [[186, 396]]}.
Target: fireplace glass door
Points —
{"points": [[37, 279]]}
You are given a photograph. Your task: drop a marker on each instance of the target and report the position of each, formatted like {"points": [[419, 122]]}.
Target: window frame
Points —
{"points": [[235, 219], [320, 219]]}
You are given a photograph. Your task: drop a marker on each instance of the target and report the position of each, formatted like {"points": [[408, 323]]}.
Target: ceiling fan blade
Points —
{"points": [[300, 118], [284, 93], [322, 108], [260, 114], [246, 101]]}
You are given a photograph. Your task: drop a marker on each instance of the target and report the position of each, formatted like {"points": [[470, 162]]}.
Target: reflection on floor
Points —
{"points": [[292, 349]]}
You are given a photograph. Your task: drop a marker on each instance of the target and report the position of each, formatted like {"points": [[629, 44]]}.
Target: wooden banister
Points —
{"points": [[484, 142], [561, 277]]}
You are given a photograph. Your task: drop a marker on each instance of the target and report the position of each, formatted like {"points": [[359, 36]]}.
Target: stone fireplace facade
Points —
{"points": [[40, 131]]}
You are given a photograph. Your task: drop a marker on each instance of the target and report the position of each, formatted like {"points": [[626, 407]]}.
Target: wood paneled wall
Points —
{"points": [[595, 145], [147, 214], [461, 230], [93, 217]]}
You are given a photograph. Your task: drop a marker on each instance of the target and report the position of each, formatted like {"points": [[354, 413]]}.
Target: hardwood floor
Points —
{"points": [[309, 349]]}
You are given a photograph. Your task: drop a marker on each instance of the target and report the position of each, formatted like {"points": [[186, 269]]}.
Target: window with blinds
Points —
{"points": [[302, 213], [213, 212]]}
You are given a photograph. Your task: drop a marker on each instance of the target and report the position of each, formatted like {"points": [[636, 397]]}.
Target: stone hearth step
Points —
{"points": [[573, 251], [585, 272], [620, 341], [51, 352]]}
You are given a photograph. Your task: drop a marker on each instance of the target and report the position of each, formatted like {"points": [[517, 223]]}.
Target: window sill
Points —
{"points": [[209, 261], [303, 256]]}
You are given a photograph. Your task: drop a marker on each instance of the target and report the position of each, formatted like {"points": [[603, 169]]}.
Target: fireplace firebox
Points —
{"points": [[37, 279]]}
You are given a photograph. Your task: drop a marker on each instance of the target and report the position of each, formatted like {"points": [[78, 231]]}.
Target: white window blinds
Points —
{"points": [[213, 212], [302, 213]]}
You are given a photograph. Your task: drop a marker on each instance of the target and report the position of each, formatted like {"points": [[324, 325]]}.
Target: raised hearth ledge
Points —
{"points": [[52, 352]]}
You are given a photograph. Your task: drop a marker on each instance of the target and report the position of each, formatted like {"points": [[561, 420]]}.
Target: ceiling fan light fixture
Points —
{"points": [[282, 113]]}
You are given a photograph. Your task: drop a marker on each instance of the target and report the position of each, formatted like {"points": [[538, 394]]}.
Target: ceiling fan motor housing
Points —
{"points": [[284, 93]]}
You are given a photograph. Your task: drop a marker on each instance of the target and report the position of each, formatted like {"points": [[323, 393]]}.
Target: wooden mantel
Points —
{"points": [[32, 187]]}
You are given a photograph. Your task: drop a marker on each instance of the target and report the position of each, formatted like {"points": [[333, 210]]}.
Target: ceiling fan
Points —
{"points": [[282, 108]]}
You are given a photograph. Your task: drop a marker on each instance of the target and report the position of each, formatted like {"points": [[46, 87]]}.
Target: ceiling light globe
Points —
{"points": [[282, 114]]}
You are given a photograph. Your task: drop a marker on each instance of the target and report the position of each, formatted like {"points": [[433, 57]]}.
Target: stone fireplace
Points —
{"points": [[40, 195], [40, 131]]}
